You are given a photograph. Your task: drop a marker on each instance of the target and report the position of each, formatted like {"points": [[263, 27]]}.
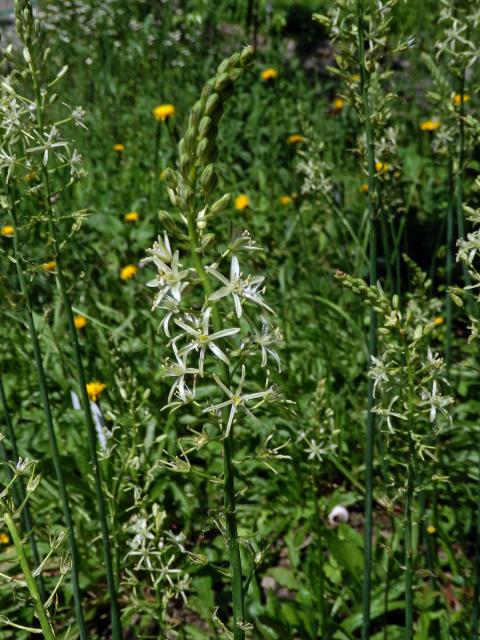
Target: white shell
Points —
{"points": [[337, 515]]}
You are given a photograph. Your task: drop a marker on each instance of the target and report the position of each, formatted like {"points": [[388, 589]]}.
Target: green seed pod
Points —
{"points": [[205, 125], [234, 60], [221, 204]]}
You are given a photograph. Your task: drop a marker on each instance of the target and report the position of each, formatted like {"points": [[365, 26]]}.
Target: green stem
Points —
{"points": [[372, 340], [324, 631], [18, 493], [81, 380], [449, 269], [67, 514], [42, 614], [228, 454], [409, 552]]}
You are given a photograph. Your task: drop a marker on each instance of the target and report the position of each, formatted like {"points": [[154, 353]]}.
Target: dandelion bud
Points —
{"points": [[221, 204], [337, 515]]}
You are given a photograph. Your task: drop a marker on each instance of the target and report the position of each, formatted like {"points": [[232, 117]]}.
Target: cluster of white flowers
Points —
{"points": [[199, 346]]}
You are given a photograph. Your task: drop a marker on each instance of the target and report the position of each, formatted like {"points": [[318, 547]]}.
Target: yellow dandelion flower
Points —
{"points": [[429, 125], [457, 99], [49, 266], [4, 539], [95, 389], [356, 77], [80, 322], [242, 201], [438, 320], [163, 112], [285, 200], [131, 216], [269, 74], [295, 138], [381, 167], [30, 177], [396, 174], [431, 529], [363, 187], [7, 230], [128, 272], [119, 147], [338, 104]]}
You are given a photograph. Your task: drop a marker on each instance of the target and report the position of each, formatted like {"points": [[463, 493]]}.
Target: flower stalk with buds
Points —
{"points": [[216, 337], [50, 145]]}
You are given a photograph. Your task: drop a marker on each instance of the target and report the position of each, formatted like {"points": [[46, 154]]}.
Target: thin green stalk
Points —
{"points": [[409, 551], [18, 492], [476, 597], [449, 269], [324, 631], [40, 610], [372, 340], [81, 380], [228, 453], [67, 514]]}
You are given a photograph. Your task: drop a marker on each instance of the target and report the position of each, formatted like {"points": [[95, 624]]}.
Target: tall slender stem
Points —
{"points": [[409, 560], [449, 268], [372, 340], [40, 610], [81, 380], [228, 454], [67, 514], [18, 492]]}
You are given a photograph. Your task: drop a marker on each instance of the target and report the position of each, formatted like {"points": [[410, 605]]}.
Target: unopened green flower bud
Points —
{"points": [[235, 74], [207, 175], [212, 104], [170, 178], [205, 126], [207, 90], [221, 204], [247, 55], [222, 82]]}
